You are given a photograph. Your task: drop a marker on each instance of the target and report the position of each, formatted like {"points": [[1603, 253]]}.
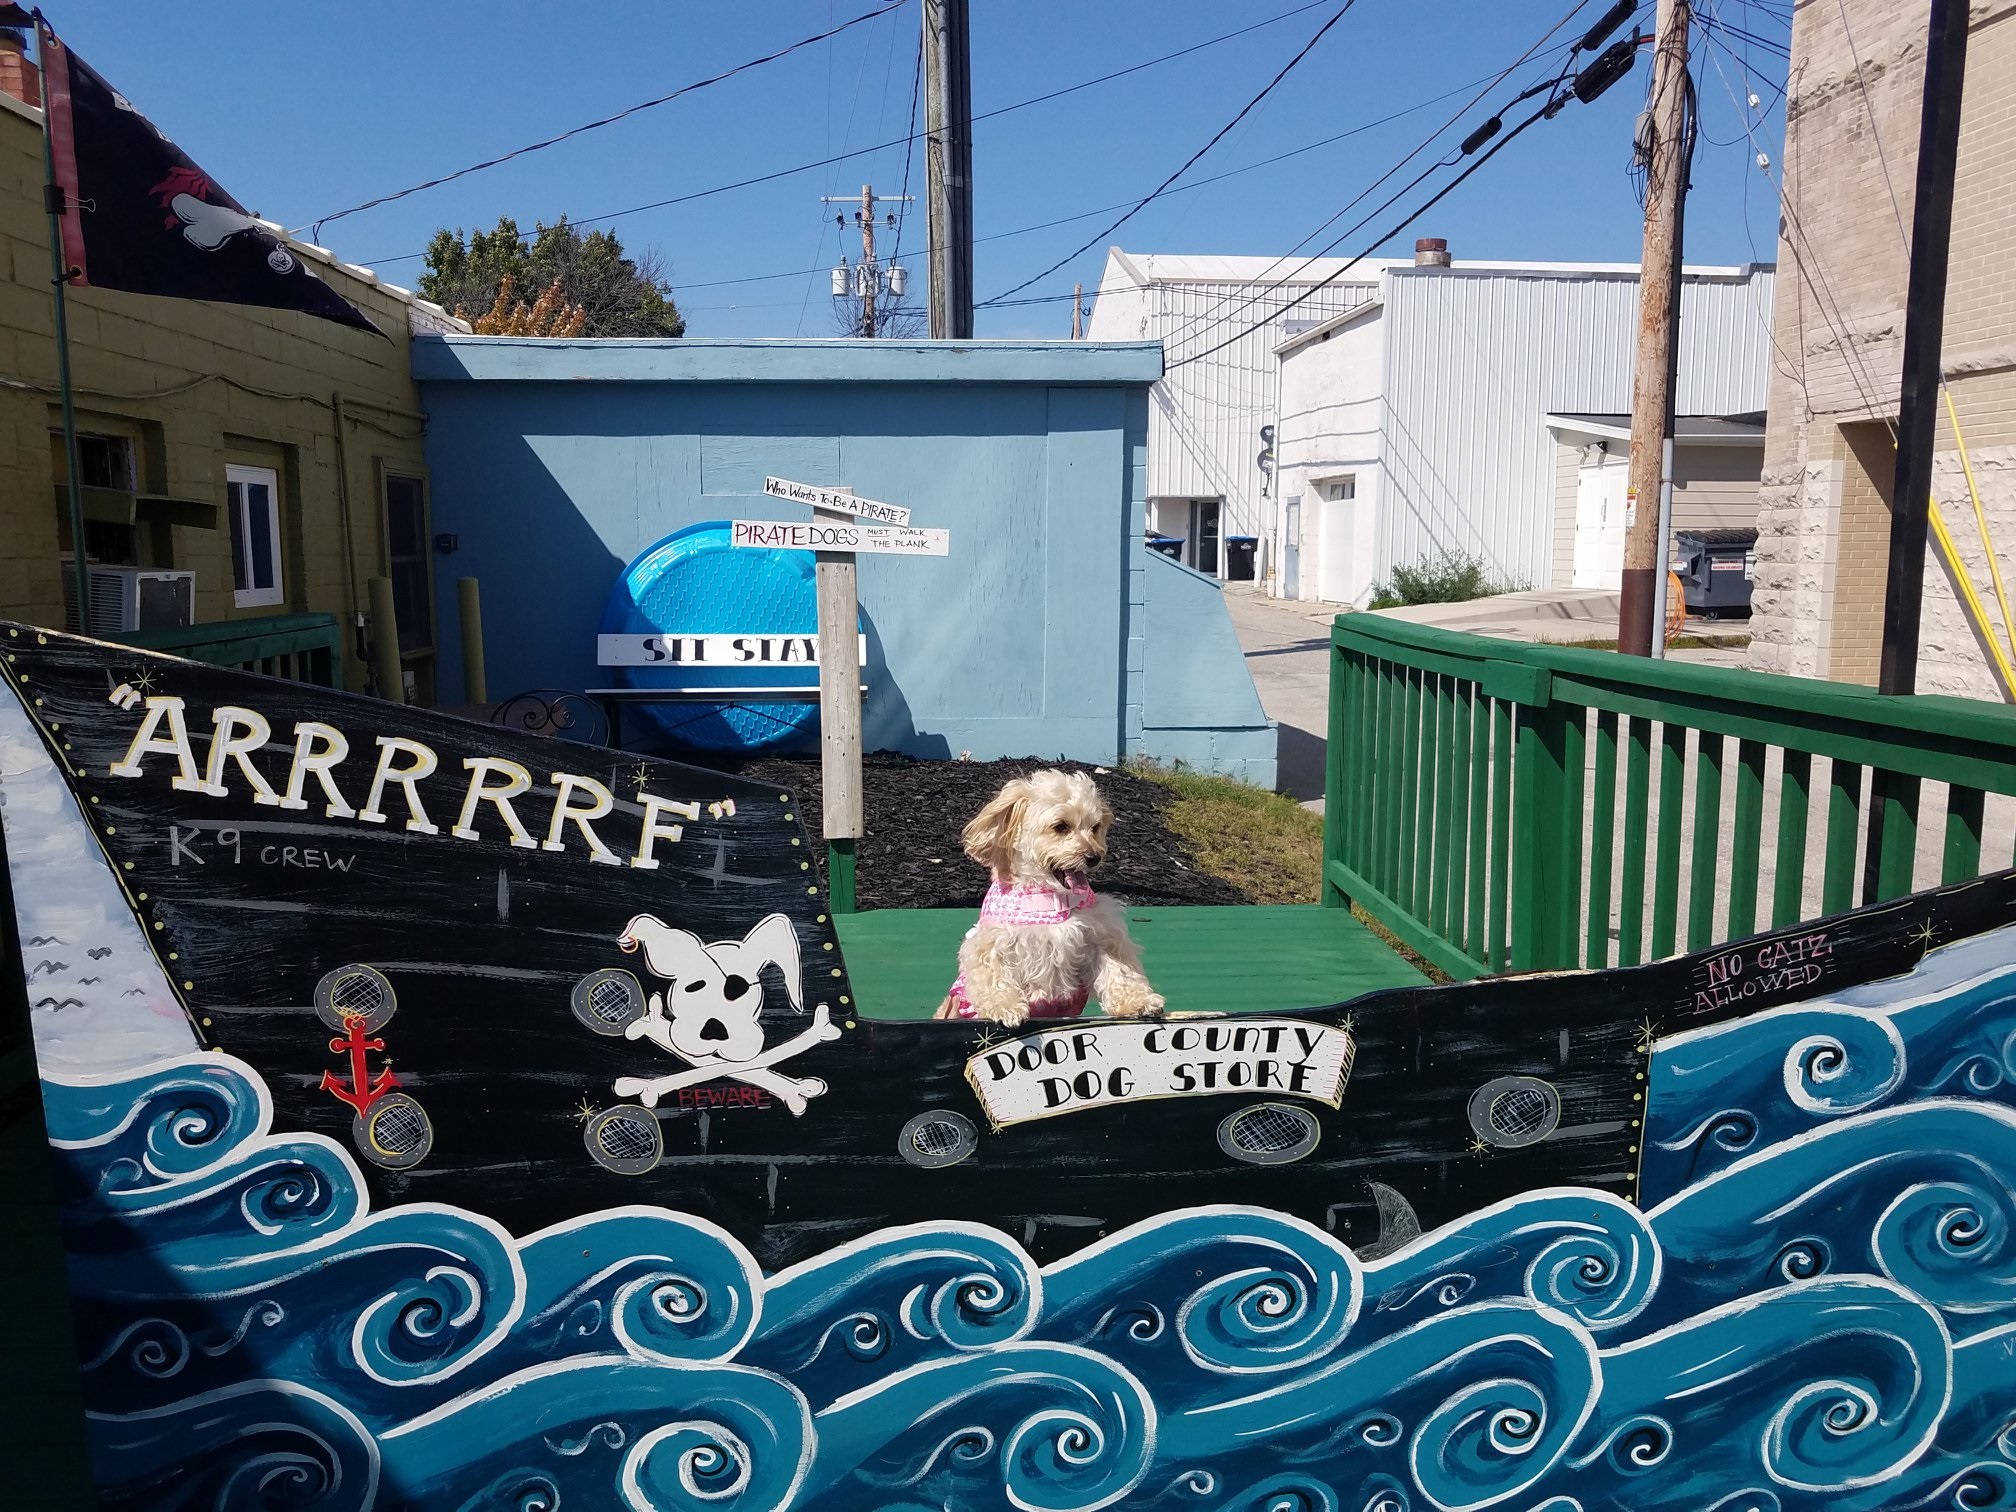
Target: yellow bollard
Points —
{"points": [[475, 685], [385, 641]]}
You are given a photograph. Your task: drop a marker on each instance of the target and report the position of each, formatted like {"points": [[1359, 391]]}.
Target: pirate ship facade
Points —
{"points": [[531, 1147]]}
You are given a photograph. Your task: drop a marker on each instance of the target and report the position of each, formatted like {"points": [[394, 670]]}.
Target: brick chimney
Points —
{"points": [[19, 77], [1431, 252]]}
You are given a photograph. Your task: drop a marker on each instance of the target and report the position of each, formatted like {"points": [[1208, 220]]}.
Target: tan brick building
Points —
{"points": [[1852, 117], [275, 456]]}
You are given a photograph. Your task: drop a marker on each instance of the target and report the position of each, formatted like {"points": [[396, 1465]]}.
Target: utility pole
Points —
{"points": [[948, 161], [1078, 312], [1640, 624], [1924, 316], [870, 284], [867, 279], [1892, 797]]}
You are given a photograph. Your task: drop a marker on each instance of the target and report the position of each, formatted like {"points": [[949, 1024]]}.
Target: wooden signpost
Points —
{"points": [[836, 535]]}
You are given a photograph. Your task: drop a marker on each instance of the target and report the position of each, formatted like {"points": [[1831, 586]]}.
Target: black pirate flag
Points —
{"points": [[138, 215]]}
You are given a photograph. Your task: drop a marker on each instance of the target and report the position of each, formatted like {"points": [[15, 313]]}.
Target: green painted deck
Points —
{"points": [[1241, 960]]}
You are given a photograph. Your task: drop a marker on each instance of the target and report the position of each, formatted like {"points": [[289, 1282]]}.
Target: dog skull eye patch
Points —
{"points": [[734, 987]]}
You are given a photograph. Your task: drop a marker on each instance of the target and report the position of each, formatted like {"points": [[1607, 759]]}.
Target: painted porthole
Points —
{"points": [[1269, 1133], [624, 1139], [355, 992], [937, 1139], [1512, 1111], [395, 1133], [608, 1001]]}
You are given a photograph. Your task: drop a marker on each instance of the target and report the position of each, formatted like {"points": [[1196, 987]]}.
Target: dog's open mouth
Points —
{"points": [[1071, 878]]}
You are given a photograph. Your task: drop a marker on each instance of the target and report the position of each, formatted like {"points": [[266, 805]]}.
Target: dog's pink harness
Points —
{"points": [[1022, 905]]}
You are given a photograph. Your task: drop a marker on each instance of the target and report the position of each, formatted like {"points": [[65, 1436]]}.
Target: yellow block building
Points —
{"points": [[273, 458]]}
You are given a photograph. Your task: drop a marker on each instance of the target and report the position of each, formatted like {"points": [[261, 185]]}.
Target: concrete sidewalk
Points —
{"points": [[1287, 649], [1287, 645]]}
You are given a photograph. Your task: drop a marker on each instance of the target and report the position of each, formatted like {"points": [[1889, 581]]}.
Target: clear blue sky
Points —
{"points": [[299, 116]]}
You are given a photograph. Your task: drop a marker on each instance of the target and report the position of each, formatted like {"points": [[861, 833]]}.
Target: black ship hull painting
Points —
{"points": [[506, 1169]]}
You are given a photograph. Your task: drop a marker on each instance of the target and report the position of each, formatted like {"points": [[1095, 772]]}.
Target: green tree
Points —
{"points": [[621, 296]]}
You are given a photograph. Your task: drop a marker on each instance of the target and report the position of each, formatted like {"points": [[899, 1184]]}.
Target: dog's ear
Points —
{"points": [[774, 942], [671, 953], [988, 834]]}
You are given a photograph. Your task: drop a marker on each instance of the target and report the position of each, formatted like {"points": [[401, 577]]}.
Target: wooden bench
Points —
{"points": [[611, 700], [1248, 959]]}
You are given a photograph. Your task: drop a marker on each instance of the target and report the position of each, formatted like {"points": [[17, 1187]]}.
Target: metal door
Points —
{"points": [[1599, 522], [1204, 535]]}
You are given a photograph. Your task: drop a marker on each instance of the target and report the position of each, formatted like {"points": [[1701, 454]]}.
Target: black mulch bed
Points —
{"points": [[911, 858]]}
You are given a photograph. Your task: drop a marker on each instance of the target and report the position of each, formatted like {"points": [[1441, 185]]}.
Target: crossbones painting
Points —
{"points": [[710, 1011]]}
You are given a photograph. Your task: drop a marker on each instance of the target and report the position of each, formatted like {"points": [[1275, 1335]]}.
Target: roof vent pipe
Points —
{"points": [[1431, 252]]}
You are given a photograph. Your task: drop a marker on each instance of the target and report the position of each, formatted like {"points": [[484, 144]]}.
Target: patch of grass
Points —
{"points": [[1452, 577], [1265, 844], [1710, 642], [1393, 943]]}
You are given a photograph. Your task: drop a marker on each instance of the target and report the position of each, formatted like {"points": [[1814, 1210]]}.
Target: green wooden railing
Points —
{"points": [[301, 647], [1510, 807]]}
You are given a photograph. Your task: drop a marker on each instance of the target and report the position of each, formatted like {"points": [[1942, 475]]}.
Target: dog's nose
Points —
{"points": [[713, 1031], [1093, 858], [734, 986]]}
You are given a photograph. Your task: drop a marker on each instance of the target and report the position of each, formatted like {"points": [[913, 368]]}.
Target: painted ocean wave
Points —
{"points": [[1822, 1322], [639, 1281], [1223, 1290], [1946, 1029], [899, 1298]]}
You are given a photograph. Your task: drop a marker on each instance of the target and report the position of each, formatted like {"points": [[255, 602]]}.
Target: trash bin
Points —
{"points": [[1715, 570], [1239, 553], [1169, 546]]}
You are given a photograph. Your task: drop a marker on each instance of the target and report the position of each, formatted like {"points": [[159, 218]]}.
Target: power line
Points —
{"points": [[609, 120], [1499, 146], [1217, 137], [910, 142], [1776, 49], [1809, 265], [914, 136], [1066, 220], [1875, 131], [1268, 290], [1205, 318], [1609, 66]]}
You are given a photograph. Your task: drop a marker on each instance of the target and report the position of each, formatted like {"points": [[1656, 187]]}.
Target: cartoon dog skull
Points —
{"points": [[712, 1006]]}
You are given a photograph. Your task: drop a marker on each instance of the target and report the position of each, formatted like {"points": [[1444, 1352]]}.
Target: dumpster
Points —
{"points": [[1715, 570], [1239, 554], [1169, 546]]}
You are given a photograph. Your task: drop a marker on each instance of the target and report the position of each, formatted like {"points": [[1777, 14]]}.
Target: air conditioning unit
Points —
{"points": [[131, 598]]}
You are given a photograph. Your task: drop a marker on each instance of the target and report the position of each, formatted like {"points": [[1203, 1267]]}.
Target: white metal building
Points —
{"points": [[1484, 408], [1205, 481]]}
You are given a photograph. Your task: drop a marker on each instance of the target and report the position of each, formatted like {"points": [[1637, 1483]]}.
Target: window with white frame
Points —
{"points": [[1337, 489], [253, 498]]}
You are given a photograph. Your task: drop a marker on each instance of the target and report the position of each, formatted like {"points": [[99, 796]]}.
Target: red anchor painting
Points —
{"points": [[362, 1090]]}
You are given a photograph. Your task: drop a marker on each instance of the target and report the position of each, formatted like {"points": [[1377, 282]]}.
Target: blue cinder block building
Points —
{"points": [[1048, 630]]}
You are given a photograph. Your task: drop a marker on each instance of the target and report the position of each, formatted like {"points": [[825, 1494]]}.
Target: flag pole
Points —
{"points": [[53, 200]]}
